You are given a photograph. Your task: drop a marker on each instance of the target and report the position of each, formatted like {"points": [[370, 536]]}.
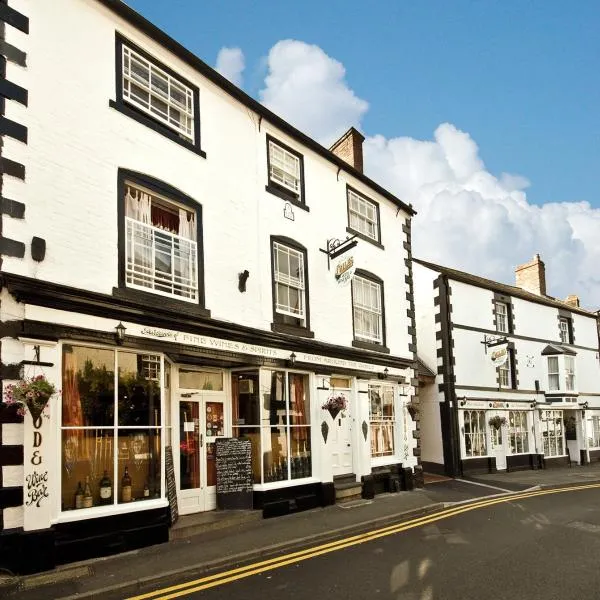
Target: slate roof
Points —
{"points": [[503, 288]]}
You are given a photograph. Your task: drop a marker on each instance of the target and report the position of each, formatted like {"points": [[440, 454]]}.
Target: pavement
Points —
{"points": [[234, 538]]}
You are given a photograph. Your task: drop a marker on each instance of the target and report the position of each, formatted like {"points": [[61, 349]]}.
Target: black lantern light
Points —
{"points": [[120, 333]]}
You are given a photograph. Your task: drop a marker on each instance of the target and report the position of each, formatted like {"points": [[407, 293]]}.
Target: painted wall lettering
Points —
{"points": [[37, 488]]}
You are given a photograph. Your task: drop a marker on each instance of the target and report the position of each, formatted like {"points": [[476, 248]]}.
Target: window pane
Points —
{"points": [[139, 395], [246, 409], [382, 439], [252, 434], [139, 464], [275, 456], [88, 386], [86, 455], [189, 445], [201, 380], [300, 463]]}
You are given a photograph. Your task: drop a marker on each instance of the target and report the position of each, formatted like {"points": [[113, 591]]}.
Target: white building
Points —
{"points": [[164, 263], [518, 375]]}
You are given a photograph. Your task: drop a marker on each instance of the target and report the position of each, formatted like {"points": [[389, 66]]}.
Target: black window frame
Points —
{"points": [[149, 297], [564, 315], [277, 189], [277, 325], [355, 232], [507, 301], [130, 110], [362, 344]]}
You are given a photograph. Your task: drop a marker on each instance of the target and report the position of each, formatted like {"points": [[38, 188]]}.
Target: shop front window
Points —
{"points": [[272, 409], [474, 432], [518, 433], [552, 432], [594, 432], [111, 427], [382, 416]]}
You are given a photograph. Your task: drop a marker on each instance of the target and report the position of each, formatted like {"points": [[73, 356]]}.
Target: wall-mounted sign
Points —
{"points": [[343, 269], [499, 355]]}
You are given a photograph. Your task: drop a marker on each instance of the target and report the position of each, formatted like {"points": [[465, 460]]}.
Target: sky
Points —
{"points": [[484, 114]]}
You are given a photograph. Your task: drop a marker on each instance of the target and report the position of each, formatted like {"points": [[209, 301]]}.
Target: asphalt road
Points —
{"points": [[545, 546]]}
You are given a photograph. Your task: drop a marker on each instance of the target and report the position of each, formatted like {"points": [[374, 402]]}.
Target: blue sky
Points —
{"points": [[520, 76]]}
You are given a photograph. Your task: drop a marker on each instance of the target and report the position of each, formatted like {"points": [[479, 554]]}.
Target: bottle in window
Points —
{"points": [[79, 496], [88, 500], [126, 486], [105, 489], [146, 490]]}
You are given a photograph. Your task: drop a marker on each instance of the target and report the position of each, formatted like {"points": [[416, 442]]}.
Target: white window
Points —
{"points": [[505, 374], [569, 373], [382, 418], [368, 312], [290, 291], [553, 374], [594, 432], [552, 432], [517, 432], [284, 168], [474, 433], [565, 330], [362, 215], [157, 93], [161, 253], [501, 317]]}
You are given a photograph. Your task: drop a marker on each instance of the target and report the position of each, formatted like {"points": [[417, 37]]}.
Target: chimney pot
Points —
{"points": [[350, 148], [532, 276]]}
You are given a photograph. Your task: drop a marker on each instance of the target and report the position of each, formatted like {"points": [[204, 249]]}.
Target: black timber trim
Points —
{"points": [[273, 187], [163, 189], [12, 168], [279, 325], [132, 111], [448, 409], [12, 54], [519, 337], [410, 313], [13, 129], [494, 389], [349, 229], [138, 21], [12, 91], [51, 295], [10, 247], [374, 279], [12, 17], [11, 455]]}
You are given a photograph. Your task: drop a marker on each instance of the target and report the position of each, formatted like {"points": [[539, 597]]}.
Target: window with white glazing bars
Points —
{"points": [[382, 419], [289, 282], [363, 215], [552, 432], [553, 374], [474, 433], [157, 93], [284, 168], [505, 372], [569, 373], [501, 317], [368, 316], [565, 336], [518, 432], [594, 432]]}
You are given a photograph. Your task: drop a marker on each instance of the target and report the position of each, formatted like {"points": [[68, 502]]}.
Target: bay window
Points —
{"points": [[569, 373], [561, 373], [382, 418], [111, 427]]}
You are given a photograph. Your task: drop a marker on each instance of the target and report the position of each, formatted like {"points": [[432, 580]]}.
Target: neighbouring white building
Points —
{"points": [[171, 261], [518, 373]]}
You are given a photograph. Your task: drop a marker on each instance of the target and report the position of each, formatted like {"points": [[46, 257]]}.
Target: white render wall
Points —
{"points": [[77, 143]]}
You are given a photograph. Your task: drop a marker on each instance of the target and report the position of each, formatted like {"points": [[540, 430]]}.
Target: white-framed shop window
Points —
{"points": [[593, 431], [552, 431], [474, 433], [382, 419], [518, 431]]}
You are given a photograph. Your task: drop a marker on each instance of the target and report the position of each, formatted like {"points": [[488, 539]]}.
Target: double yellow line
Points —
{"points": [[204, 583]]}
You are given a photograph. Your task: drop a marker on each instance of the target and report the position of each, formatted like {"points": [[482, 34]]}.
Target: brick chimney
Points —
{"points": [[532, 276], [349, 148], [572, 300]]}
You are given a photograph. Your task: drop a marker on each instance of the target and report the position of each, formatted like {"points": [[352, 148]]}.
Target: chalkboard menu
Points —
{"points": [[171, 485], [234, 473]]}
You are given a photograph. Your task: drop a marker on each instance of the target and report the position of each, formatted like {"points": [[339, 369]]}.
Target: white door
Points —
{"points": [[340, 431], [201, 422], [498, 441]]}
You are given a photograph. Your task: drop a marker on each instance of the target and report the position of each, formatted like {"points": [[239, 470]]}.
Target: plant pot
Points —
{"points": [[334, 412], [37, 408]]}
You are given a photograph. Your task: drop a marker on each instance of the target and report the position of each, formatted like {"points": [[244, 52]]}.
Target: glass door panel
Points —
{"points": [[189, 445]]}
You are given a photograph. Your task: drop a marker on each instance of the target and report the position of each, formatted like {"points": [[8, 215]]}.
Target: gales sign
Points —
{"points": [[499, 355], [344, 268]]}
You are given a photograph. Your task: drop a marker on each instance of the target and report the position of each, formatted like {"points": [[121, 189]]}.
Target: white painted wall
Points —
{"points": [[77, 143]]}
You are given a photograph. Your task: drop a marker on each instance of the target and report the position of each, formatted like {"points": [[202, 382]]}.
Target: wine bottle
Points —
{"points": [[88, 500], [126, 486], [146, 490], [79, 496], [105, 489]]}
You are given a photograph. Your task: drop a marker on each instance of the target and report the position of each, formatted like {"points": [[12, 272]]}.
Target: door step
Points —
{"points": [[347, 488]]}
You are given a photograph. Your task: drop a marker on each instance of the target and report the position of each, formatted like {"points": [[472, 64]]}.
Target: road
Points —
{"points": [[536, 545]]}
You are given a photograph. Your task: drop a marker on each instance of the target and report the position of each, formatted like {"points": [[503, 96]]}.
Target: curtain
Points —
{"points": [[298, 410], [187, 224]]}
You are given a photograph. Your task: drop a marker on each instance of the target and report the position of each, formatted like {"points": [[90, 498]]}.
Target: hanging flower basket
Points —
{"points": [[32, 393], [335, 404], [497, 422]]}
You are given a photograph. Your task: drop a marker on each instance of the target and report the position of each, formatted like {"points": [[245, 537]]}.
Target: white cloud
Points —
{"points": [[231, 64], [307, 87], [468, 218]]}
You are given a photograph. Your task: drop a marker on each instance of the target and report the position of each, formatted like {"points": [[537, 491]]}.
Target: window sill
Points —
{"points": [[365, 238], [291, 330], [370, 346], [286, 195], [151, 300], [148, 121], [109, 511], [273, 485]]}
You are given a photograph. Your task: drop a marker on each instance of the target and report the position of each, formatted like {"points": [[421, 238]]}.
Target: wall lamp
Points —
{"points": [[292, 360], [385, 374], [120, 333], [533, 404], [242, 279], [585, 405]]}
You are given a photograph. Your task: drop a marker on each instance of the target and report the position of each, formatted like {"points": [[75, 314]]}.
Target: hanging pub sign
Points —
{"points": [[499, 354], [343, 269]]}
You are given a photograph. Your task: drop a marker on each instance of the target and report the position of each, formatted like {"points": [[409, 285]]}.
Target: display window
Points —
{"points": [[382, 417]]}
